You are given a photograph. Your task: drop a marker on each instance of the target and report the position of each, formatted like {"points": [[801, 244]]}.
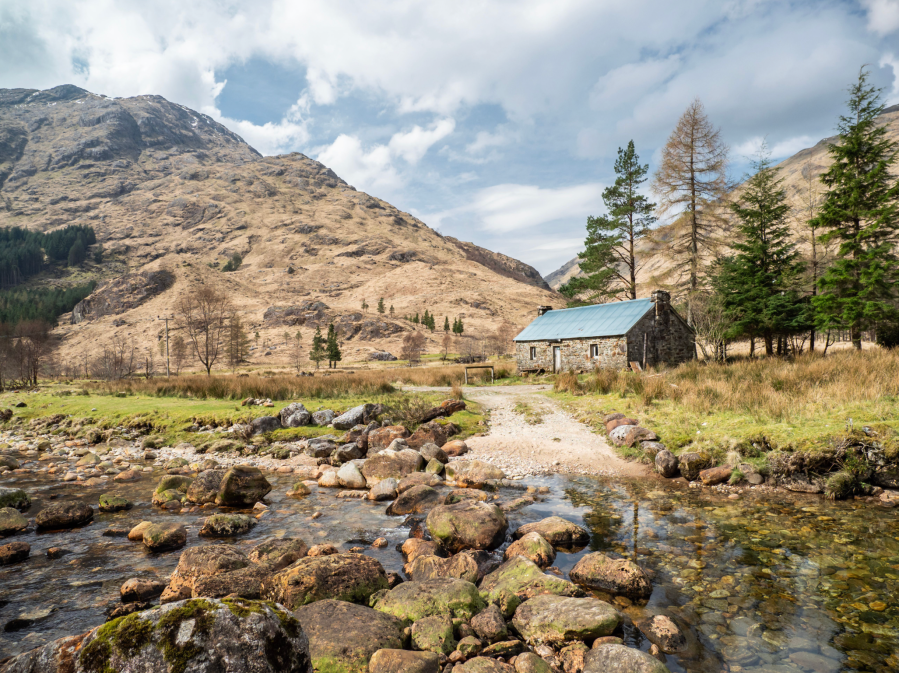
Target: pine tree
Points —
{"points": [[609, 259], [759, 284], [238, 342], [77, 253], [860, 213], [333, 348], [415, 320], [364, 305], [446, 325], [381, 306], [691, 181], [460, 328], [391, 310], [318, 353]]}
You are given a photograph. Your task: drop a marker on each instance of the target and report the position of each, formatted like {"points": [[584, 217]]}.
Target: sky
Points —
{"points": [[494, 121]]}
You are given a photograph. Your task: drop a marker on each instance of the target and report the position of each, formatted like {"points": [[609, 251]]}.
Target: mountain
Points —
{"points": [[656, 268], [172, 195]]}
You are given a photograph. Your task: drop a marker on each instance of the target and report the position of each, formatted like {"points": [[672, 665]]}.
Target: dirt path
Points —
{"points": [[530, 434]]}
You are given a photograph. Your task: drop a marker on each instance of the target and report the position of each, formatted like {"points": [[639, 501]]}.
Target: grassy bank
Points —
{"points": [[777, 404]]}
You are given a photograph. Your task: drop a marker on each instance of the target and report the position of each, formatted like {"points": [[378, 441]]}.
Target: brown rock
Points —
{"points": [[619, 577], [621, 420], [532, 546], [455, 448], [415, 547], [127, 475], [416, 500], [345, 577], [639, 434], [403, 661], [382, 437], [137, 533], [561, 534], [323, 550], [138, 589], [715, 475], [429, 433], [662, 631], [14, 552]]}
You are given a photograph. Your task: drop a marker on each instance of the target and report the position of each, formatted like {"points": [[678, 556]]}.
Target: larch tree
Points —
{"points": [[609, 258], [860, 214], [691, 181]]}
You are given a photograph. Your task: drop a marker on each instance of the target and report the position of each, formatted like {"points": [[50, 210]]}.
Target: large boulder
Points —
{"points": [[403, 661], [434, 634], [165, 536], [205, 488], [294, 415], [11, 521], [416, 500], [265, 424], [467, 525], [692, 463], [380, 438], [245, 583], [411, 601], [171, 487], [470, 566], [227, 525], [383, 490], [556, 619], [534, 548], [416, 479], [616, 576], [473, 473], [561, 534], [323, 417], [197, 635], [14, 552], [391, 465], [621, 659], [279, 552], [344, 636], [345, 577], [666, 464], [15, 498], [354, 416], [64, 515], [114, 503], [519, 579], [321, 447], [455, 448], [428, 433], [242, 486], [199, 562], [349, 476]]}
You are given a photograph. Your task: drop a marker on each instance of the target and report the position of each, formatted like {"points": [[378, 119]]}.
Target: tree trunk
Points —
{"points": [[769, 345]]}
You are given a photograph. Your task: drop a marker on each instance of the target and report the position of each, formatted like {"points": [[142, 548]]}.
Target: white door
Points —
{"points": [[557, 359]]}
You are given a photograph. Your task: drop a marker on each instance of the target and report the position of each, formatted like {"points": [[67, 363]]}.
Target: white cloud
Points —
{"points": [[413, 144], [892, 62], [780, 150], [883, 15], [484, 141], [272, 137], [629, 83]]}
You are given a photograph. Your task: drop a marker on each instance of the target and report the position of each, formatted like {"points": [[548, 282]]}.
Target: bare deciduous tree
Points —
{"points": [[32, 344], [116, 361], [295, 344], [204, 315], [711, 324], [178, 353], [691, 181], [413, 347]]}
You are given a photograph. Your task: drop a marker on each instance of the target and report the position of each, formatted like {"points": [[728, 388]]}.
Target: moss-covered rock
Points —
{"points": [[483, 665], [278, 553], [473, 473], [621, 659], [114, 503], [434, 634], [411, 601], [11, 521], [15, 498], [519, 579], [467, 525], [344, 636], [692, 463], [403, 661], [558, 619], [9, 462], [165, 536], [615, 576], [197, 635], [560, 533], [345, 577], [534, 548], [416, 500], [64, 515], [242, 486], [170, 485], [205, 488], [227, 525]]}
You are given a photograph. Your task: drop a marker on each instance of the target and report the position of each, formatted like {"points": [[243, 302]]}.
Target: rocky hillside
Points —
{"points": [[173, 195], [655, 260]]}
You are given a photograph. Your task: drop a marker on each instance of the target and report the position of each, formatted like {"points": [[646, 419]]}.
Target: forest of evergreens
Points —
{"points": [[22, 252]]}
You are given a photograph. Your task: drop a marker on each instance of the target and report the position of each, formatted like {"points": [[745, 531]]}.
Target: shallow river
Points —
{"points": [[793, 585]]}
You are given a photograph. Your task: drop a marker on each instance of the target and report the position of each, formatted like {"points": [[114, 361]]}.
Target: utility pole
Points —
{"points": [[168, 372]]}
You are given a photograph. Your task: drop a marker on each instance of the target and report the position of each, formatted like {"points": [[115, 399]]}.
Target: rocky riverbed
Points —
{"points": [[546, 572]]}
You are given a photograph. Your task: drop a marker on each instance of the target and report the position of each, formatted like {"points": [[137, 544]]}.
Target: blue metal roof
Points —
{"points": [[599, 320]]}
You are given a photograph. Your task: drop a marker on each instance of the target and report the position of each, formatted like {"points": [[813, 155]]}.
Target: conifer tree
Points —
{"points": [[415, 320], [609, 259], [381, 306], [759, 284], [333, 348], [860, 213], [318, 353], [238, 342], [391, 310], [77, 253], [446, 325]]}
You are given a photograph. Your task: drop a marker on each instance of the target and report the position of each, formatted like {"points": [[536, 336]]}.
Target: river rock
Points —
{"points": [[380, 438], [171, 487], [265, 424], [321, 447], [242, 486], [455, 448], [434, 634], [15, 498], [616, 576], [428, 433], [483, 665], [468, 565], [323, 417], [347, 452], [11, 521], [557, 619], [9, 461], [433, 452], [299, 490], [88, 459], [473, 473], [403, 661], [205, 636], [416, 479], [345, 577], [528, 662], [467, 525], [411, 601], [661, 631], [415, 547], [140, 589], [165, 536], [136, 534], [533, 547], [329, 479], [383, 490], [14, 552], [651, 449], [114, 503], [64, 515], [416, 500], [619, 434], [490, 625], [294, 415], [391, 464], [202, 561], [460, 494], [621, 659], [227, 525], [666, 464], [348, 419], [691, 464], [205, 488], [349, 476], [561, 534], [613, 423], [715, 475], [279, 552], [637, 434], [519, 579]]}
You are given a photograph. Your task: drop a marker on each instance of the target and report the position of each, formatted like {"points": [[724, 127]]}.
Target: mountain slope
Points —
{"points": [[654, 254], [170, 191]]}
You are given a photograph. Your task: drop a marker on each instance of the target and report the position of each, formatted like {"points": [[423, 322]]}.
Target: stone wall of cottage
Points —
{"points": [[575, 354], [669, 341]]}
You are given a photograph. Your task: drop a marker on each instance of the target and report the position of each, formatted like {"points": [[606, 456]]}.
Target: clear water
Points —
{"points": [[784, 586]]}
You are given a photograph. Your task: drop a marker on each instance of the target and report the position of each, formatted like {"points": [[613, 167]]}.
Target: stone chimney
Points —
{"points": [[660, 297], [543, 309]]}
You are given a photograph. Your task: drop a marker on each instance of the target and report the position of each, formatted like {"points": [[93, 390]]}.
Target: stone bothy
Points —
{"points": [[606, 336]]}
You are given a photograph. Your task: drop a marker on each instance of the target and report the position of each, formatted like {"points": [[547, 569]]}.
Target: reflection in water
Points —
{"points": [[790, 586]]}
